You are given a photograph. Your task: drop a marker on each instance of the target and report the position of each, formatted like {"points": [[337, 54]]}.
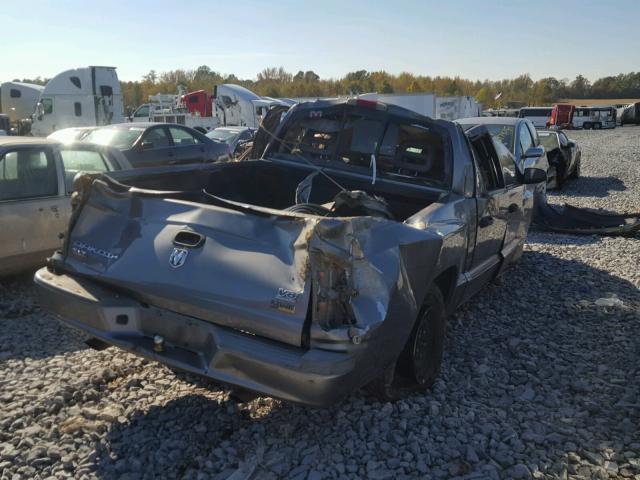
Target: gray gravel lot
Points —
{"points": [[540, 381]]}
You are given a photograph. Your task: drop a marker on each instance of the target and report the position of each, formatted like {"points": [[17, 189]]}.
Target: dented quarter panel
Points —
{"points": [[390, 262]]}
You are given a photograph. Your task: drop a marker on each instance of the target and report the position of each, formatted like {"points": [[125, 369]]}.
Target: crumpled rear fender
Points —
{"points": [[391, 265]]}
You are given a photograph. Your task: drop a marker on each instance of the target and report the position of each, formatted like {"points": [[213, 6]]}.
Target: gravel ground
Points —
{"points": [[541, 380]]}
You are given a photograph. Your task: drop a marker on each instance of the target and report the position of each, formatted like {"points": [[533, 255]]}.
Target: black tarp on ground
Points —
{"points": [[584, 221]]}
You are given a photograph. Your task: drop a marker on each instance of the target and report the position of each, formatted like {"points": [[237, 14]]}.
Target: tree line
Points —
{"points": [[277, 82]]}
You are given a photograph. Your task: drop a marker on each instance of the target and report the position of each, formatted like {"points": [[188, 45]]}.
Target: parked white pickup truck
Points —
{"points": [[36, 181]]}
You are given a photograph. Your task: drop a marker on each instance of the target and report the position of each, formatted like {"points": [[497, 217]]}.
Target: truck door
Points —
{"points": [[491, 221], [511, 205], [33, 207], [186, 147]]}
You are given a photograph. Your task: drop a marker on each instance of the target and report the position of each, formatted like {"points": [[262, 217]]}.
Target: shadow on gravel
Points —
{"points": [[164, 441], [25, 330], [533, 371], [558, 372], [537, 235], [590, 187]]}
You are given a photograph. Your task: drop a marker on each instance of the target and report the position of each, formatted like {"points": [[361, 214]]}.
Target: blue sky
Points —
{"points": [[474, 39]]}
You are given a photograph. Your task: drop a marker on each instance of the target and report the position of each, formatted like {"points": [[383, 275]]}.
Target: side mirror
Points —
{"points": [[534, 152], [534, 175], [146, 145]]}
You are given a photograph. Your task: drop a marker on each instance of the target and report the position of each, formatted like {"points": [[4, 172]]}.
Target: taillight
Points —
{"points": [[366, 103], [332, 291], [372, 104]]}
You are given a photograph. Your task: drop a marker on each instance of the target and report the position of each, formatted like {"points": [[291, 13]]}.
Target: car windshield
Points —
{"points": [[67, 135], [225, 136], [504, 133], [121, 138], [548, 140]]}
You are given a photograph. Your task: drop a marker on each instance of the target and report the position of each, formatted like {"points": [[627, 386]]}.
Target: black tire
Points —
{"points": [[576, 171], [561, 171], [597, 126], [418, 366], [552, 178], [586, 126]]}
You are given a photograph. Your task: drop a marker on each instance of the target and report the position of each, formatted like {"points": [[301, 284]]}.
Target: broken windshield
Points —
{"points": [[365, 142]]}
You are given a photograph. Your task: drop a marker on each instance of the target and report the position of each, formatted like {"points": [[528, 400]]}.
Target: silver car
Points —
{"points": [[36, 181], [234, 137], [517, 134]]}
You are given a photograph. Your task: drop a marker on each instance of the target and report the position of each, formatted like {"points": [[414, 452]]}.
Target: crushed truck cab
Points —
{"points": [[326, 265]]}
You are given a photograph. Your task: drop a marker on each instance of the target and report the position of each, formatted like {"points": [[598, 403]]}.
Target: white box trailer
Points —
{"points": [[422, 103], [427, 104], [18, 100], [81, 97], [453, 108]]}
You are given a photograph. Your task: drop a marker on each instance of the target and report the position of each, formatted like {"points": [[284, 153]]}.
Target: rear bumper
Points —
{"points": [[311, 376]]}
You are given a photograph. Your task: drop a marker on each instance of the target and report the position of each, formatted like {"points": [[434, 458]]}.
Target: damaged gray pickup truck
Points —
{"points": [[329, 264]]}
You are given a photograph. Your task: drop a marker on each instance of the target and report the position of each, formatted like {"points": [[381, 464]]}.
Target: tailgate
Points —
{"points": [[237, 269]]}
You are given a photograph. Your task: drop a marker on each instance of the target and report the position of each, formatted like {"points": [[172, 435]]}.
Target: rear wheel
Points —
{"points": [[552, 178], [576, 170], [419, 363], [561, 171]]}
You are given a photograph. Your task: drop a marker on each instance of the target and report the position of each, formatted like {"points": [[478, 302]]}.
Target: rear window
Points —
{"points": [[225, 136], [412, 151], [351, 139], [27, 173], [548, 140]]}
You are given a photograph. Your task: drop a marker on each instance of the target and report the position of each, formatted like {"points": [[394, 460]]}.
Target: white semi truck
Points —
{"points": [[80, 97], [18, 100], [239, 106], [230, 105]]}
